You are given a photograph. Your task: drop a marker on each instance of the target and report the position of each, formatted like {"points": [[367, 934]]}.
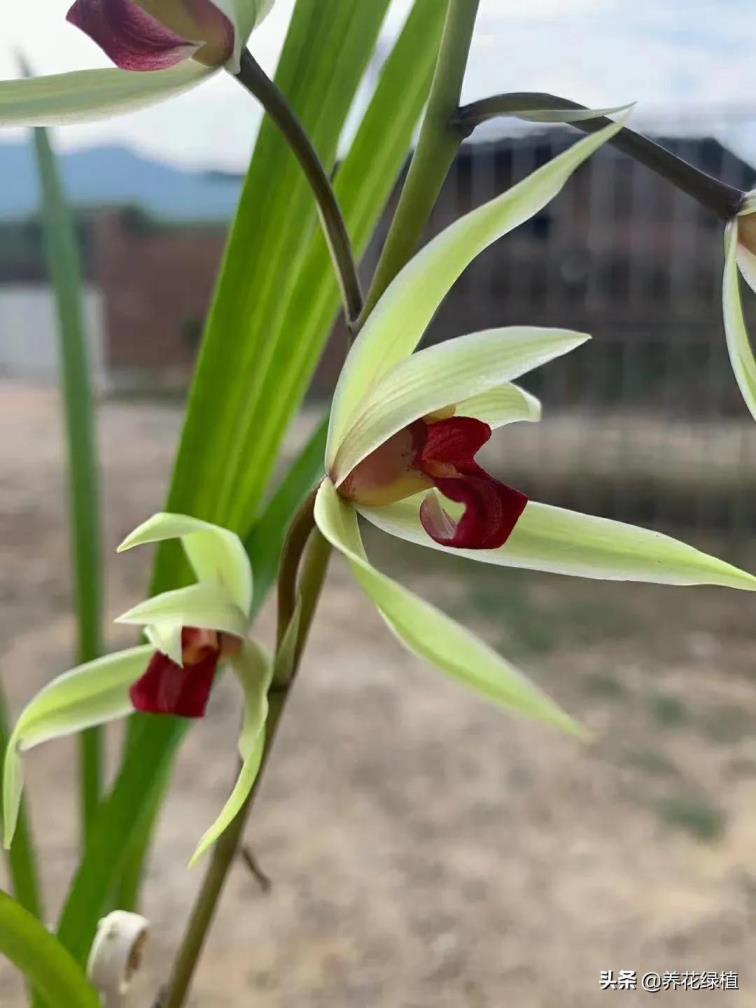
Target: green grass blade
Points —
{"points": [[65, 272], [42, 959]]}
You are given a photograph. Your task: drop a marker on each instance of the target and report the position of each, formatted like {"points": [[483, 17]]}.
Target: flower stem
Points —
{"points": [[724, 200], [437, 147], [256, 81]]}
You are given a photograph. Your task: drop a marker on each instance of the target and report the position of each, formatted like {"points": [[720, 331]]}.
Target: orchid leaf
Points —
{"points": [[253, 669], [500, 406], [400, 318], [441, 376], [738, 343], [363, 184], [42, 959], [216, 554], [566, 542], [202, 605], [91, 694], [86, 95], [428, 632]]}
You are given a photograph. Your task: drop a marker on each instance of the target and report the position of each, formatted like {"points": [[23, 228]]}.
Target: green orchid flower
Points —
{"points": [[192, 632], [160, 48], [404, 429], [740, 258]]}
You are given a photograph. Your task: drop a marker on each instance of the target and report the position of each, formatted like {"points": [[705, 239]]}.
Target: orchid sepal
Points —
{"points": [[441, 376], [90, 95], [739, 259], [92, 694], [559, 541], [427, 631], [203, 605], [254, 671], [401, 316], [216, 554]]}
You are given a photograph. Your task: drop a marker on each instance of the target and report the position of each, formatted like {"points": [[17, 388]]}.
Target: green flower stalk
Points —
{"points": [[192, 632]]}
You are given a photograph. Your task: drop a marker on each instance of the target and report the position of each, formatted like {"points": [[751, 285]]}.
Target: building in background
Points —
{"points": [[619, 254]]}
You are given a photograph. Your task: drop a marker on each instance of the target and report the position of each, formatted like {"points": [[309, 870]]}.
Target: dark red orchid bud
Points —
{"points": [[155, 34]]}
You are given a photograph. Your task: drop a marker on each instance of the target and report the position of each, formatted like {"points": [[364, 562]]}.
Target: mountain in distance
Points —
{"points": [[117, 176]]}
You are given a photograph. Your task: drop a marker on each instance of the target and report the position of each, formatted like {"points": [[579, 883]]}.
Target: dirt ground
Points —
{"points": [[426, 849]]}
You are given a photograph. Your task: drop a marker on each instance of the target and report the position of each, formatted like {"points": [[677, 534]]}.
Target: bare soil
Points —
{"points": [[426, 849]]}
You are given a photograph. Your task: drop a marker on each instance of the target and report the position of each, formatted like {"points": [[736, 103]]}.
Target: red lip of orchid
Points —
{"points": [[440, 453], [183, 690]]}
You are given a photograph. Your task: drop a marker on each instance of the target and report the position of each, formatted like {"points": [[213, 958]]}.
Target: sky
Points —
{"points": [[686, 62]]}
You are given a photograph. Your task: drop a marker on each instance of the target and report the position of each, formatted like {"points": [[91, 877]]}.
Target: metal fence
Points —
{"points": [[645, 422]]}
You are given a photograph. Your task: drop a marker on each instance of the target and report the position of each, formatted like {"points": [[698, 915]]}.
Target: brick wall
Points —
{"points": [[156, 286]]}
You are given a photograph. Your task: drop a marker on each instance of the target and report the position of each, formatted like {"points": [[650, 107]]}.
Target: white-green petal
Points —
{"points": [[444, 375], [427, 631], [500, 406], [565, 115], [166, 637], [738, 343], [201, 605], [91, 694], [566, 542], [400, 318], [87, 95], [253, 668], [245, 15], [216, 554]]}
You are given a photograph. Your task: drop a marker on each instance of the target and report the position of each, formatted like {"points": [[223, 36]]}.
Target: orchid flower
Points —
{"points": [[404, 430], [191, 632], [160, 48], [740, 257]]}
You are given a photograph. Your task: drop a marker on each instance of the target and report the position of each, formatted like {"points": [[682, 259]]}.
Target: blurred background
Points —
{"points": [[424, 848]]}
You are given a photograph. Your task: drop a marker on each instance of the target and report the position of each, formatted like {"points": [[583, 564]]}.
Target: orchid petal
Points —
{"points": [[566, 115], [87, 95], [166, 637], [254, 670], [91, 694], [427, 631], [205, 606], [400, 318], [738, 344], [244, 15], [442, 375], [501, 405], [216, 554], [566, 542]]}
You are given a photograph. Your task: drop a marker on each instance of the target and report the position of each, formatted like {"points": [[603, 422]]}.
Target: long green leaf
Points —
{"points": [[363, 185], [42, 959], [63, 263]]}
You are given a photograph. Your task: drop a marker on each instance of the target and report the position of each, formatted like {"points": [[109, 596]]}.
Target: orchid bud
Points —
{"points": [[116, 954], [155, 34]]}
